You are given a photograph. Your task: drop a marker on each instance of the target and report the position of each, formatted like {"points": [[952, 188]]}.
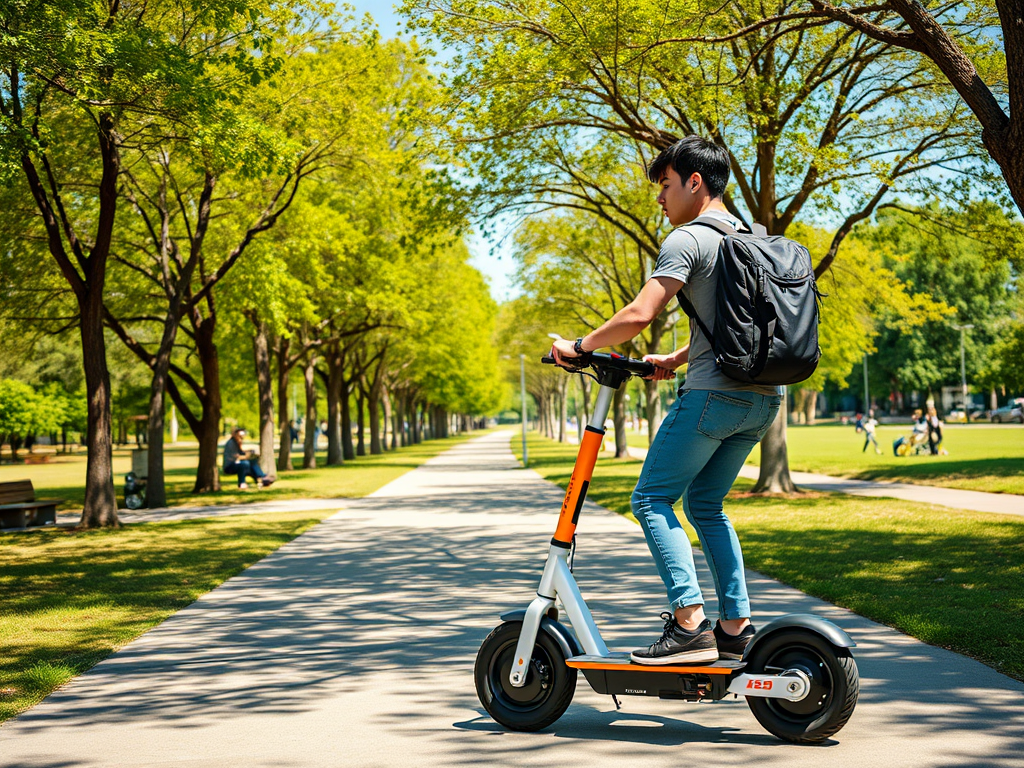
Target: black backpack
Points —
{"points": [[766, 313]]}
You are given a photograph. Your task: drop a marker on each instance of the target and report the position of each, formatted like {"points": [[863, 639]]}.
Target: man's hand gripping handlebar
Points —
{"points": [[599, 360]]}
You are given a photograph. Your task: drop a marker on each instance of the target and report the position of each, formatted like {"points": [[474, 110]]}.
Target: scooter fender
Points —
{"points": [[816, 624], [558, 632]]}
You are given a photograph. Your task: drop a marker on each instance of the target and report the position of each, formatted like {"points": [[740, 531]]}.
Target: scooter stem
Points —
{"points": [[583, 471]]}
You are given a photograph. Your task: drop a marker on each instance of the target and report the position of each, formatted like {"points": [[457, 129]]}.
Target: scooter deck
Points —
{"points": [[619, 661]]}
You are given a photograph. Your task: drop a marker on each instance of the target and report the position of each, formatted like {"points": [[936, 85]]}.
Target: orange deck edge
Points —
{"points": [[652, 668]]}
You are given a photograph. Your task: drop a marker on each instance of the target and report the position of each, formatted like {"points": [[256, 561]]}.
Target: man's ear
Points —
{"points": [[695, 182]]}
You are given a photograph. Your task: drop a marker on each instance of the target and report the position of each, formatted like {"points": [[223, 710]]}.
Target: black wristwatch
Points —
{"points": [[577, 346]]}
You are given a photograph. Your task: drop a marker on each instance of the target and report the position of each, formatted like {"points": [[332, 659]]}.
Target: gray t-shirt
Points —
{"points": [[690, 254]]}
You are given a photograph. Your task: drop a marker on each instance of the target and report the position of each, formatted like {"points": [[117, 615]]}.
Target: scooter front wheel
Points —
{"points": [[834, 686], [549, 686]]}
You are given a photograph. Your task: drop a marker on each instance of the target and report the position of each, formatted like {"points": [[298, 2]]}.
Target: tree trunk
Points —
{"points": [[388, 422], [261, 354], [774, 476], [207, 478], [335, 374], [619, 405], [156, 490], [360, 423], [284, 458], [652, 409], [100, 507], [344, 402], [309, 444], [373, 405], [417, 432]]}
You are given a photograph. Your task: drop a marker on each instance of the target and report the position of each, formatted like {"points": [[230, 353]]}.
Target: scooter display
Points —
{"points": [[797, 673]]}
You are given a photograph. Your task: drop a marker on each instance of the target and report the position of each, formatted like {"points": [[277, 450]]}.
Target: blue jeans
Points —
{"points": [[696, 455], [245, 468]]}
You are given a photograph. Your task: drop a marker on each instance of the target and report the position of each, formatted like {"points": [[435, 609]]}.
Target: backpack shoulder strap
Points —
{"points": [[691, 311], [716, 224]]}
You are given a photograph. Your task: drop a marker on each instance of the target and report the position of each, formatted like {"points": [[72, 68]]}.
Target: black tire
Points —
{"points": [[834, 686], [996, 420], [549, 687], [133, 500]]}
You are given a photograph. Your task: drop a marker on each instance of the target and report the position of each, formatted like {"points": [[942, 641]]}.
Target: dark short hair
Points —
{"points": [[694, 155]]}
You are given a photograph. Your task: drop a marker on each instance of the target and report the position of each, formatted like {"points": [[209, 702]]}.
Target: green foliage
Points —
{"points": [[863, 298], [25, 411], [966, 259]]}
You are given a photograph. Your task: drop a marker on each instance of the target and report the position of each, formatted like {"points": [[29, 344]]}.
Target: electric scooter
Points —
{"points": [[797, 673]]}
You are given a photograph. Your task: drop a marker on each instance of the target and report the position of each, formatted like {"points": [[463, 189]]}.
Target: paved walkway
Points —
{"points": [[977, 501], [353, 646]]}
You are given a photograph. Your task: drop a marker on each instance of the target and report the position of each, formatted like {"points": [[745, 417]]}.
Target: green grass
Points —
{"points": [[981, 457], [70, 598], [950, 578], [64, 477]]}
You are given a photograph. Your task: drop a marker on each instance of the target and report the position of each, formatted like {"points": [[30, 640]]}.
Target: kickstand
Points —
{"points": [[618, 706]]}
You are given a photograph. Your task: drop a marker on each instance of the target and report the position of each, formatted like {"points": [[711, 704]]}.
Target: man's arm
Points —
{"points": [[628, 321]]}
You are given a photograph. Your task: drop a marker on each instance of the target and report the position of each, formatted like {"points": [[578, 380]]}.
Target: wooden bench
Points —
{"points": [[37, 458], [20, 509]]}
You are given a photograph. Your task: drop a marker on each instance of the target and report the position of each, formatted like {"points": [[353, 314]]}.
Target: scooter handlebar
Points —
{"points": [[631, 365]]}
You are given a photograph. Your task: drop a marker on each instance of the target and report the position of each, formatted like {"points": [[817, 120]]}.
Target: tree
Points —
{"points": [[255, 156], [79, 83], [963, 258], [587, 268], [978, 47], [826, 121]]}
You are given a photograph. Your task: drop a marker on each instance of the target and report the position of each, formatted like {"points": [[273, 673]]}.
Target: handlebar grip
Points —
{"points": [[548, 360]]}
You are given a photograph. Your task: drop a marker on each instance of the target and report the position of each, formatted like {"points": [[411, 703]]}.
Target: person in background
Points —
{"points": [[868, 424], [238, 461], [934, 430]]}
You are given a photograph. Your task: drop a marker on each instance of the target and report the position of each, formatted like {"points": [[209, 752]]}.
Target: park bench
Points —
{"points": [[19, 507], [37, 458]]}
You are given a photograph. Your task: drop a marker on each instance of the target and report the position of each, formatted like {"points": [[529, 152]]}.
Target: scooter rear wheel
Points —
{"points": [[835, 685], [549, 686]]}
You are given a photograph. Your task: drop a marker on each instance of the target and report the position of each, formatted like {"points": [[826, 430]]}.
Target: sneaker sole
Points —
{"points": [[730, 656], [686, 657]]}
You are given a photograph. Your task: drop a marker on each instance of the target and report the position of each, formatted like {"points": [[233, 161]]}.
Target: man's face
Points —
{"points": [[678, 199]]}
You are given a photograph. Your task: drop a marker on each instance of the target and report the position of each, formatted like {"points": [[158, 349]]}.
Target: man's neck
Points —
{"points": [[713, 205]]}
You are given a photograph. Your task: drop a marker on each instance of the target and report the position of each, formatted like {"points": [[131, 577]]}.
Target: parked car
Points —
{"points": [[977, 414], [1012, 411]]}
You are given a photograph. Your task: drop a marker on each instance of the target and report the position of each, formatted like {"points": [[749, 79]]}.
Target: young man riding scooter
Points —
{"points": [[710, 429]]}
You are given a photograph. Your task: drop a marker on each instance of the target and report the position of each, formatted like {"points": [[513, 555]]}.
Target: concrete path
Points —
{"points": [[353, 646], [977, 501]]}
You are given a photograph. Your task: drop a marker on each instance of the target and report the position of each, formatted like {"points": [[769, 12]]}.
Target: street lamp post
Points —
{"points": [[867, 395], [963, 370], [522, 387]]}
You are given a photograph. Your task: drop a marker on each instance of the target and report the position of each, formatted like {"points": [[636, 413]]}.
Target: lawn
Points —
{"points": [[950, 578], [982, 457], [64, 476]]}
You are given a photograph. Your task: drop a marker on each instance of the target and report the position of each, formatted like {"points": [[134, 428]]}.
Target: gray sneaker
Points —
{"points": [[732, 646], [679, 646]]}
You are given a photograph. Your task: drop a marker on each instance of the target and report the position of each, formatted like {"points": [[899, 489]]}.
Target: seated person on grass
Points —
{"points": [[238, 461]]}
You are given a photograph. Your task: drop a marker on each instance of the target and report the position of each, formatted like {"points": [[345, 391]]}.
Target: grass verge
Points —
{"points": [[70, 598], [64, 476], [981, 457], [950, 578]]}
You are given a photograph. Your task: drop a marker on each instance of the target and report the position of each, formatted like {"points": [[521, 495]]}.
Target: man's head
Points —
{"points": [[691, 173], [239, 435]]}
